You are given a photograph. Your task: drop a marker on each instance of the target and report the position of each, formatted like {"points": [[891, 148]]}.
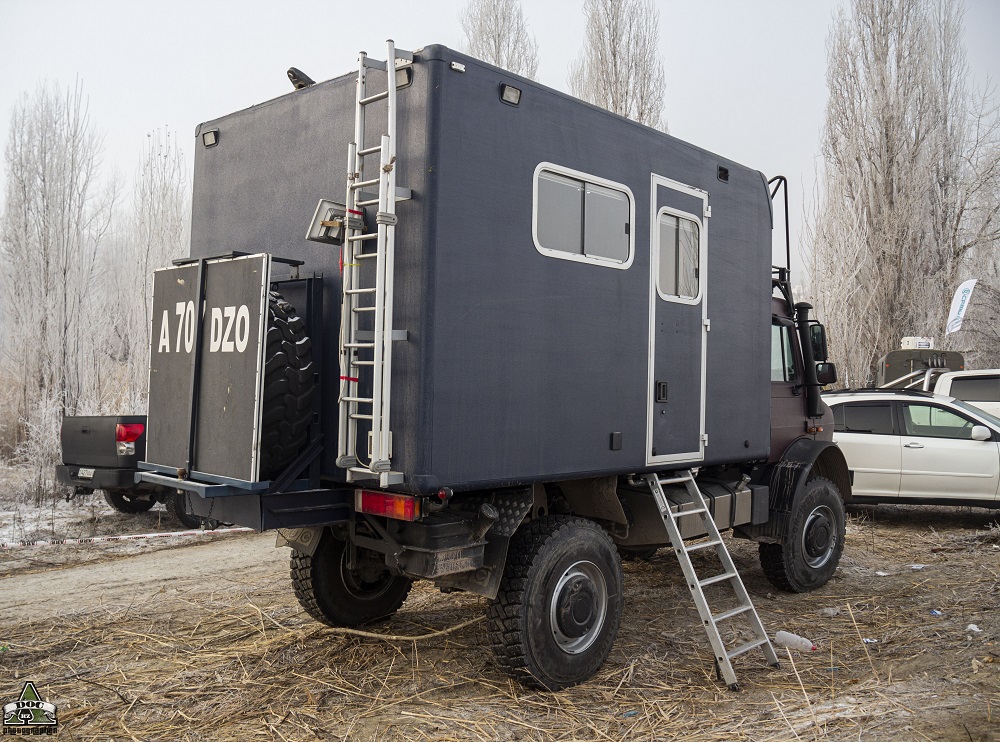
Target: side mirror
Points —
{"points": [[817, 338], [826, 373], [981, 433]]}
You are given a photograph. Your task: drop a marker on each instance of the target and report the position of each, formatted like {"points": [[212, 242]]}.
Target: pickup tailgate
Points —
{"points": [[91, 441]]}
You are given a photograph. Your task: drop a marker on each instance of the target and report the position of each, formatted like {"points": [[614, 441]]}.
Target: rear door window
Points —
{"points": [[874, 418]]}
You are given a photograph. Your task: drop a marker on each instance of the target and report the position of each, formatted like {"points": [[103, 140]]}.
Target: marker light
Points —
{"points": [[510, 94], [210, 138], [399, 507]]}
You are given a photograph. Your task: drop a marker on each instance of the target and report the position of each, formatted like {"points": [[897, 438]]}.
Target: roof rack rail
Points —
{"points": [[882, 390]]}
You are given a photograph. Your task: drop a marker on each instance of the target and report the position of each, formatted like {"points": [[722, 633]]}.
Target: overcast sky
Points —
{"points": [[745, 78]]}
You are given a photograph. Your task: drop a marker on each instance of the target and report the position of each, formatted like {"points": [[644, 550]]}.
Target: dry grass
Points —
{"points": [[246, 663]]}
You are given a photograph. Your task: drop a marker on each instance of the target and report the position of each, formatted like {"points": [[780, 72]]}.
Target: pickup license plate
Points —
{"points": [[85, 474]]}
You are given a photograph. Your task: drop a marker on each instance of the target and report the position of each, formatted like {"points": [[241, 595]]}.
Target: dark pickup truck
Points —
{"points": [[101, 453]]}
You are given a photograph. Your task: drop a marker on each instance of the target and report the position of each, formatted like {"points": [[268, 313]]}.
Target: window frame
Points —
{"points": [[787, 330], [584, 178], [888, 404], [903, 432], [696, 299]]}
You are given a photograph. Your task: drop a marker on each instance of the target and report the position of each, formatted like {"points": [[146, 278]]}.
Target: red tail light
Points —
{"points": [[128, 432], [399, 507]]}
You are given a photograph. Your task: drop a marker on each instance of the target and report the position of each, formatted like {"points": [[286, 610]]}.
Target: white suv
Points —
{"points": [[917, 447]]}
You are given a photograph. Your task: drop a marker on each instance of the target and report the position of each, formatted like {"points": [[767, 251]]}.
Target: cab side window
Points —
{"points": [[782, 353]]}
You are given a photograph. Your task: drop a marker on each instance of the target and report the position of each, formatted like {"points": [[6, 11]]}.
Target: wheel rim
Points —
{"points": [[578, 606], [364, 583], [819, 536]]}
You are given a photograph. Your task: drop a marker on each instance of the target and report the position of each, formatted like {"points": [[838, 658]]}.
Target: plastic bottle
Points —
{"points": [[793, 641]]}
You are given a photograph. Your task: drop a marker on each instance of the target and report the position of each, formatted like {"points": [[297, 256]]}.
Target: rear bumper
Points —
{"points": [[103, 479]]}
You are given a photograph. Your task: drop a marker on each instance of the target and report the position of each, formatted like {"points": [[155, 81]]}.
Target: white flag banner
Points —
{"points": [[959, 306]]}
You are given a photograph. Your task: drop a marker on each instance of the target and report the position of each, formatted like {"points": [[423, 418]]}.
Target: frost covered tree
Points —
{"points": [[54, 220], [496, 32], [619, 67], [152, 231], [907, 202]]}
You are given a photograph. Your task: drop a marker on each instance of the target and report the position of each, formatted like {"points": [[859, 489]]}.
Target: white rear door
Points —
{"points": [[865, 433]]}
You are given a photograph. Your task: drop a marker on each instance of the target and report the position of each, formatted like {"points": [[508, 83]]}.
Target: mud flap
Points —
{"points": [[302, 540], [512, 507]]}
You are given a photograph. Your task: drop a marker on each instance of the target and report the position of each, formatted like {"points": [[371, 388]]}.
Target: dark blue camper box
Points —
{"points": [[519, 365]]}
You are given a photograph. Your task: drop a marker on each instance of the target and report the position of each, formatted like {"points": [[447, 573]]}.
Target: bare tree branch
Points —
{"points": [[496, 32], [907, 209], [619, 67]]}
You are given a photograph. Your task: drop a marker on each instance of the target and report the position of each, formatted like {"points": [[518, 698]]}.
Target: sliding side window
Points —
{"points": [[582, 217]]}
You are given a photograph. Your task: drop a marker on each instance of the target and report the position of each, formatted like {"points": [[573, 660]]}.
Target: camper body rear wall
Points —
{"points": [[518, 366]]}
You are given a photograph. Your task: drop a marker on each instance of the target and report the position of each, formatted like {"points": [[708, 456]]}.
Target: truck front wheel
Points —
{"points": [[336, 595], [815, 540], [560, 602]]}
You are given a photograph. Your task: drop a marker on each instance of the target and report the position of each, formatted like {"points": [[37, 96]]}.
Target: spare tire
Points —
{"points": [[289, 386]]}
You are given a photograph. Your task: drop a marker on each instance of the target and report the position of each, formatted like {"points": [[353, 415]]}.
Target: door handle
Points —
{"points": [[913, 445]]}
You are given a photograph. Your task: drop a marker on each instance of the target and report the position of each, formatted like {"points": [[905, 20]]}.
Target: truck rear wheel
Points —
{"points": [[288, 387], [560, 602], [814, 542], [125, 502], [177, 507], [337, 596]]}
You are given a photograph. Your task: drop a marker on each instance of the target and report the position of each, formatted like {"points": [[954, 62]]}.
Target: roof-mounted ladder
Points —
{"points": [[672, 514], [366, 344]]}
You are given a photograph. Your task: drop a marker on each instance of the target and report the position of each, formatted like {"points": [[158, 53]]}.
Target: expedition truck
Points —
{"points": [[522, 337]]}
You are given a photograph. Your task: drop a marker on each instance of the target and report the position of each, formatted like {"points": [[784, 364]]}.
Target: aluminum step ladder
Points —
{"points": [[366, 354], [672, 516]]}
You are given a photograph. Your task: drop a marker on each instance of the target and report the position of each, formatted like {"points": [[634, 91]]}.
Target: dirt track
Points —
{"points": [[207, 642]]}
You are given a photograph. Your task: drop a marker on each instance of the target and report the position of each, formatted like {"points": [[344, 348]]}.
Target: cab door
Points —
{"points": [[677, 322]]}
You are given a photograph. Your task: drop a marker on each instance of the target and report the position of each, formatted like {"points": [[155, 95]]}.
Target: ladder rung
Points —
{"points": [[360, 291], [360, 255], [358, 416], [363, 183], [362, 363], [365, 400], [359, 345], [717, 578], [369, 150], [373, 98], [702, 545], [360, 237], [725, 615], [682, 513], [363, 309], [744, 648], [676, 480], [366, 202]]}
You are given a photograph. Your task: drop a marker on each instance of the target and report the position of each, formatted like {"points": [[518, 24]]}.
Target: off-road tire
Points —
{"points": [[814, 542], [176, 506], [289, 386], [124, 502], [555, 569], [333, 595]]}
